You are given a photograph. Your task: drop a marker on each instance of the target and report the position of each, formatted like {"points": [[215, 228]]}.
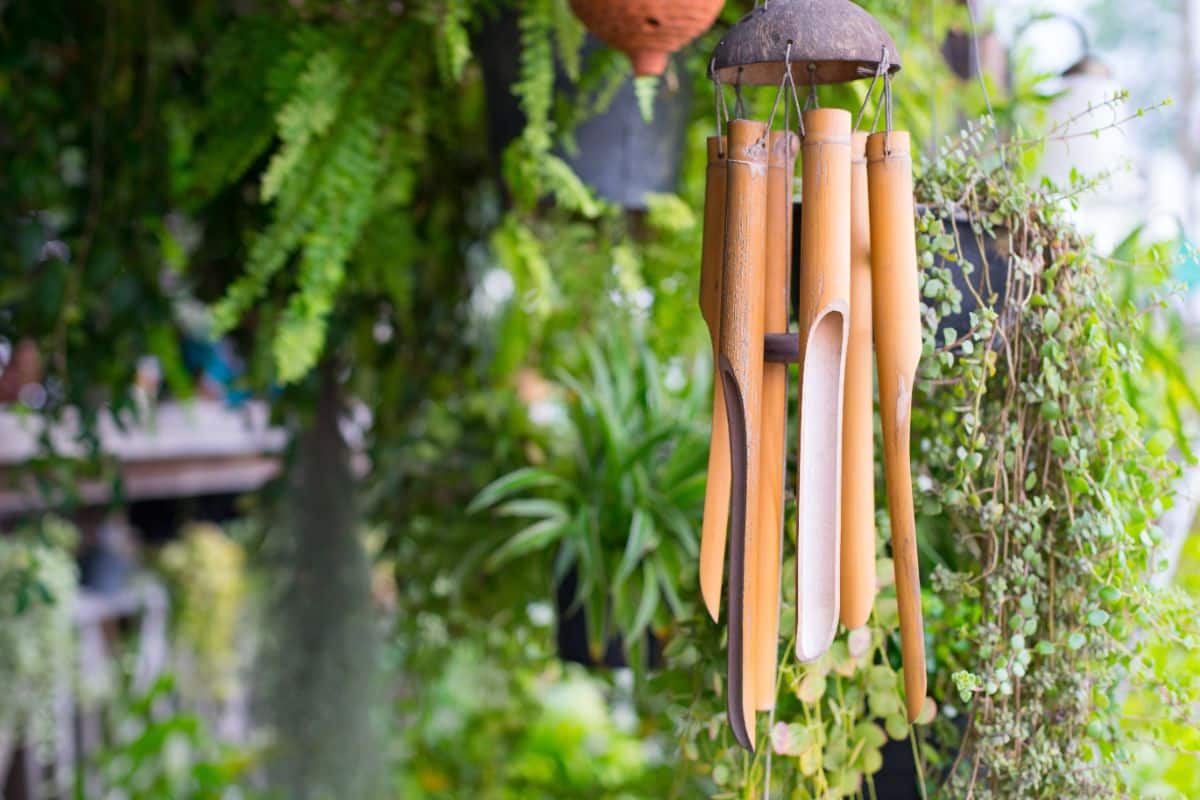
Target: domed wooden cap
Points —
{"points": [[648, 31], [830, 39]]}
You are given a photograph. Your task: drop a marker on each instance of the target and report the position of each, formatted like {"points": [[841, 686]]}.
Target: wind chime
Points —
{"points": [[857, 277]]}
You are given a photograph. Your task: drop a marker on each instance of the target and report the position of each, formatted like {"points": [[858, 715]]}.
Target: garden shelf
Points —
{"points": [[183, 450]]}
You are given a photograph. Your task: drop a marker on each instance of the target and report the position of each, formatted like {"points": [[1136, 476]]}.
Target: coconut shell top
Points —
{"points": [[830, 41], [648, 31]]}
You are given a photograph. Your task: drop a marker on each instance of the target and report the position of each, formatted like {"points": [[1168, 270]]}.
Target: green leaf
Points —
{"points": [[639, 541], [646, 89], [535, 537], [646, 606], [897, 726], [533, 508], [506, 485], [1160, 443]]}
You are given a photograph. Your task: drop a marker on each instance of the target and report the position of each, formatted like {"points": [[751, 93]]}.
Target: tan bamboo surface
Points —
{"points": [[784, 148], [716, 491], [858, 415], [897, 313], [824, 328], [741, 365]]}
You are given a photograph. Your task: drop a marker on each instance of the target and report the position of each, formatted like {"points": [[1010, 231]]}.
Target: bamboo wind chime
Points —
{"points": [[857, 288]]}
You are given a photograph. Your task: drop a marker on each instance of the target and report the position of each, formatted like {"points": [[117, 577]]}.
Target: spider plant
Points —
{"points": [[619, 496]]}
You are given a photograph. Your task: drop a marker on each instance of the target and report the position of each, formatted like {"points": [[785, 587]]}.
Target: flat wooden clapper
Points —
{"points": [[857, 287], [716, 491]]}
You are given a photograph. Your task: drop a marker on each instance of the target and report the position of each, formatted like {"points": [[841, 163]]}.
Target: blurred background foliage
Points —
{"points": [[328, 185]]}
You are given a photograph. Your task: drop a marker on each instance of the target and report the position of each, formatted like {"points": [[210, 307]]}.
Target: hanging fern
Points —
{"points": [[321, 182]]}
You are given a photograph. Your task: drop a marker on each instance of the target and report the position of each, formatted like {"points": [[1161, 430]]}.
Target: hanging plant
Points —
{"points": [[618, 499], [38, 584], [208, 574], [1037, 494]]}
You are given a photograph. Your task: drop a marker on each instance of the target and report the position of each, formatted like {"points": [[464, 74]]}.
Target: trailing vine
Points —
{"points": [[1038, 491]]}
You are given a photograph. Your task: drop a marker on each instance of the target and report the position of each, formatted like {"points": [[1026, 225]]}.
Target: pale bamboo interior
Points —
{"points": [[716, 491], [824, 307]]}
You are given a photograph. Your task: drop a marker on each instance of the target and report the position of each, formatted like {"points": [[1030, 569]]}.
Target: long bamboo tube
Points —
{"points": [[784, 146], [741, 363], [896, 308], [716, 491], [858, 421], [824, 308]]}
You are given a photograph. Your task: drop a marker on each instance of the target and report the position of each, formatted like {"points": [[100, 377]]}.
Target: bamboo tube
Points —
{"points": [[896, 309], [784, 147], [741, 362], [824, 308], [716, 490], [858, 420]]}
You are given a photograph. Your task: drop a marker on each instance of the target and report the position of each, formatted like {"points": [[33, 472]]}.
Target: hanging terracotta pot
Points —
{"points": [[648, 31]]}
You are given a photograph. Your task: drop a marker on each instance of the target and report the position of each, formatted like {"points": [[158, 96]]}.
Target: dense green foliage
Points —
{"points": [[37, 642], [321, 174], [617, 499]]}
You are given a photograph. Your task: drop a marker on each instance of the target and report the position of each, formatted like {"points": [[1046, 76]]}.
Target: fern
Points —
{"points": [[322, 183], [535, 85], [571, 193], [453, 43], [569, 34], [308, 114], [239, 118], [645, 88]]}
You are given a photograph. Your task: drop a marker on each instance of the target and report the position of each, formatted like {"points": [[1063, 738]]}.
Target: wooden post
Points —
{"points": [[824, 308], [858, 423], [784, 147], [716, 490], [897, 313], [741, 365]]}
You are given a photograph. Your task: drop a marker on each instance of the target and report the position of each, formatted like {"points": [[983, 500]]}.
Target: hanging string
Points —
{"points": [[787, 60], [880, 69], [791, 79], [887, 103], [739, 105], [721, 110], [813, 101], [883, 102], [987, 98]]}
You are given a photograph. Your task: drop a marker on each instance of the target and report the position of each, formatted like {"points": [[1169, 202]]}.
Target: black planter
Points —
{"points": [[572, 633], [620, 155], [988, 278], [897, 779]]}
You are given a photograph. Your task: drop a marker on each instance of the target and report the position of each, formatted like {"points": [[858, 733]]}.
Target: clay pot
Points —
{"points": [[620, 155], [648, 31]]}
